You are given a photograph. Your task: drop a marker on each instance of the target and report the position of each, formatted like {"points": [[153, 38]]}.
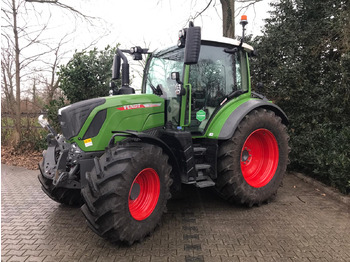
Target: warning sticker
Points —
{"points": [[88, 142]]}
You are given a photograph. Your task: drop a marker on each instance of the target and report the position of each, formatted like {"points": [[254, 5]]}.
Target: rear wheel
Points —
{"points": [[127, 193], [252, 163]]}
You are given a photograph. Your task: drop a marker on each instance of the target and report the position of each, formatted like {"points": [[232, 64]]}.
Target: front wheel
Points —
{"points": [[127, 192], [66, 196], [252, 163]]}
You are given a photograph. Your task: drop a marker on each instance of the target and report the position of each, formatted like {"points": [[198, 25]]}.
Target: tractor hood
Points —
{"points": [[90, 123]]}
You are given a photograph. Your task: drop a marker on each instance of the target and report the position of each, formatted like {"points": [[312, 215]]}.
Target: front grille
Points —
{"points": [[73, 117]]}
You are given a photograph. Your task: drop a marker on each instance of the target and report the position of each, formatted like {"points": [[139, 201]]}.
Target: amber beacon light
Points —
{"points": [[243, 22]]}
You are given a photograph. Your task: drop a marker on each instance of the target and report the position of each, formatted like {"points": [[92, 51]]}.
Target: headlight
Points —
{"points": [[75, 149], [182, 33], [42, 121]]}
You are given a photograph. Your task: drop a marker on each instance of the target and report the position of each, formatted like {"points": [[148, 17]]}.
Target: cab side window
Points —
{"points": [[216, 75], [213, 78]]}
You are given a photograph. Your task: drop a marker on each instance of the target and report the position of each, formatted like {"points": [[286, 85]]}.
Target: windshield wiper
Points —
{"points": [[231, 95], [234, 94], [156, 90]]}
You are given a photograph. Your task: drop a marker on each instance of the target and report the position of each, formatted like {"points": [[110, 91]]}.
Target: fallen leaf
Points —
{"points": [[28, 159]]}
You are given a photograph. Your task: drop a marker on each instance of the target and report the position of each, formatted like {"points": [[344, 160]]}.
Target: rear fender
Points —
{"points": [[241, 111]]}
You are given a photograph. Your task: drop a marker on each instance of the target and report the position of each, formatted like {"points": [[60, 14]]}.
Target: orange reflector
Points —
{"points": [[244, 18]]}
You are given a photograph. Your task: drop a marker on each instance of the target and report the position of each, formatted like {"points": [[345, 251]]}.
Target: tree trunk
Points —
{"points": [[17, 136], [228, 18], [34, 93]]}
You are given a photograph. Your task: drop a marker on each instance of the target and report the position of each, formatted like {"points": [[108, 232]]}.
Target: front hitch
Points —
{"points": [[58, 164]]}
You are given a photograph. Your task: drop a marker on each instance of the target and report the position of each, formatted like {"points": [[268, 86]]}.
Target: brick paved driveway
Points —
{"points": [[300, 225]]}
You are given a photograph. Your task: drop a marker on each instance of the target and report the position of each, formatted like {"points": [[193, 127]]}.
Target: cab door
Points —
{"points": [[209, 82]]}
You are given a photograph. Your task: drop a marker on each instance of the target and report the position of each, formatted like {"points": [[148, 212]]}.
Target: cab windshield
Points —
{"points": [[160, 68]]}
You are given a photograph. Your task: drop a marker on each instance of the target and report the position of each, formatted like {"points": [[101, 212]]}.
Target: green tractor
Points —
{"points": [[196, 122]]}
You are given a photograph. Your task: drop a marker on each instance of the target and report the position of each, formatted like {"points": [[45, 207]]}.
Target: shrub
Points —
{"points": [[304, 63]]}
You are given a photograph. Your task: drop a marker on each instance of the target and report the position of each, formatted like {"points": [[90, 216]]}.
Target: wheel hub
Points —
{"points": [[144, 194], [245, 155], [259, 158], [135, 191]]}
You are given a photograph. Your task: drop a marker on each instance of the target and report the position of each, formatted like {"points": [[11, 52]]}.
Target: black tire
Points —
{"points": [[66, 196], [251, 164], [116, 186]]}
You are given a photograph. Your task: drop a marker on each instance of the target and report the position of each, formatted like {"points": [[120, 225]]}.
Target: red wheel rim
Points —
{"points": [[144, 194], [259, 158]]}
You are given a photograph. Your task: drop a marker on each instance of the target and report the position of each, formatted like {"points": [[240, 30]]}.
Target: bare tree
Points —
{"points": [[229, 12], [71, 9], [23, 48], [228, 17], [11, 52], [16, 37], [48, 77], [7, 84]]}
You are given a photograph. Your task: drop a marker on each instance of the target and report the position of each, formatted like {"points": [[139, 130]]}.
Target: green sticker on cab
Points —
{"points": [[200, 115]]}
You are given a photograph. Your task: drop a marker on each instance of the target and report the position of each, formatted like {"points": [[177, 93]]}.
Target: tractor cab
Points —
{"points": [[220, 74]]}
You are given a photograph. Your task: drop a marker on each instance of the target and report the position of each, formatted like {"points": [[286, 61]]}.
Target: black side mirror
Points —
{"points": [[179, 90], [176, 76], [254, 53], [192, 45]]}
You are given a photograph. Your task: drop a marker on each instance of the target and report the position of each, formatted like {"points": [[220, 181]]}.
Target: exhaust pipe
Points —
{"points": [[125, 89]]}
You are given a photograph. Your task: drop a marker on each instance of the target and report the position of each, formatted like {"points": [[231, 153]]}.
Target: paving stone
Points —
{"points": [[18, 259], [300, 225], [194, 259], [5, 258], [248, 259], [266, 259], [106, 259], [230, 259], [35, 259], [13, 252], [11, 241], [33, 253], [158, 259], [204, 253], [93, 259], [141, 259], [217, 253]]}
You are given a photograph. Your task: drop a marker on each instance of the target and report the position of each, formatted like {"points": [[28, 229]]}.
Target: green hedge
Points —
{"points": [[304, 62]]}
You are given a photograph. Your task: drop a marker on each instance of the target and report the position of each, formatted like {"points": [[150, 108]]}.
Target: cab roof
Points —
{"points": [[217, 40], [230, 41]]}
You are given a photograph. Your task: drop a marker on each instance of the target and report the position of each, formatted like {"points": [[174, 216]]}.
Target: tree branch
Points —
{"points": [[245, 7]]}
